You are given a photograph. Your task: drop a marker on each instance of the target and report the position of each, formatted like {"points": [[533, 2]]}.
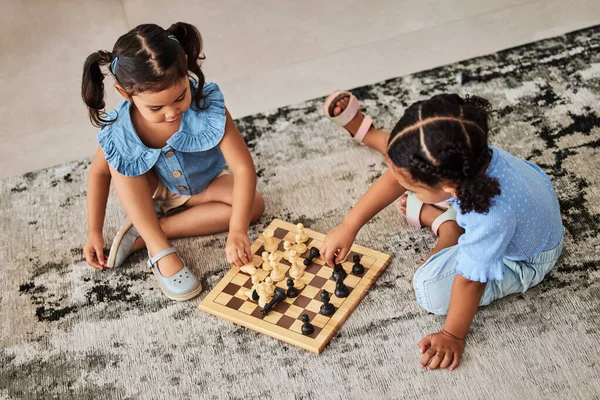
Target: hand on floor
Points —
{"points": [[440, 350], [93, 250]]}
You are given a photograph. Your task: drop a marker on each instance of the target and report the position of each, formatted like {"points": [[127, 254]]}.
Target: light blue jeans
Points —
{"points": [[433, 280]]}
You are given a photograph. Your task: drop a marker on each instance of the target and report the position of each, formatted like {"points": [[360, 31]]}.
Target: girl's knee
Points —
{"points": [[258, 208]]}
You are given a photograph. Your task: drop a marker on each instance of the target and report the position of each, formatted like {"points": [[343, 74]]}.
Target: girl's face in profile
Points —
{"points": [[167, 106], [425, 193]]}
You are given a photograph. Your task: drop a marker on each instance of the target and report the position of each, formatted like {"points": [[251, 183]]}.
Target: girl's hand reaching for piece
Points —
{"points": [[238, 248], [441, 350], [337, 244], [93, 250]]}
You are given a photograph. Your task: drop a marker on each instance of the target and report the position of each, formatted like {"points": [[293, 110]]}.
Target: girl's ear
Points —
{"points": [[122, 92], [450, 188]]}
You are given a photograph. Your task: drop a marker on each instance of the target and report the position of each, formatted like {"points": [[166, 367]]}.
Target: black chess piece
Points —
{"points": [[307, 327], [357, 268], [314, 253], [292, 291], [326, 308], [341, 290], [338, 271], [278, 296]]}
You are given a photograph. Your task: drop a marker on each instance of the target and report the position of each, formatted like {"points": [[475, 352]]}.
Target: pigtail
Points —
{"points": [[190, 39], [92, 87], [475, 193]]}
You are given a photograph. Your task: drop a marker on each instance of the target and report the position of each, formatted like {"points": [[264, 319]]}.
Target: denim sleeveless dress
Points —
{"points": [[190, 160]]}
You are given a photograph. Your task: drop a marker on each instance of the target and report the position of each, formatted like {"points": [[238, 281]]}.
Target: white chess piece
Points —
{"points": [[297, 269], [277, 274], [299, 284], [303, 235], [270, 244], [255, 281], [265, 257], [268, 264], [299, 247], [249, 269], [270, 285], [287, 246], [264, 296]]}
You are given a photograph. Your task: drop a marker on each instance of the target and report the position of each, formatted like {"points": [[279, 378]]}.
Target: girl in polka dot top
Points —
{"points": [[496, 216]]}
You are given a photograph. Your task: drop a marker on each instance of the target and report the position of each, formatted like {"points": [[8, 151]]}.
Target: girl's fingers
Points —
{"points": [[91, 260], [455, 361], [424, 343], [341, 255], [446, 361], [248, 252], [100, 256], [427, 356], [436, 360], [242, 256]]}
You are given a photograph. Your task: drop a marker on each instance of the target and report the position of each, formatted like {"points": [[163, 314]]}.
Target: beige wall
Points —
{"points": [[263, 53]]}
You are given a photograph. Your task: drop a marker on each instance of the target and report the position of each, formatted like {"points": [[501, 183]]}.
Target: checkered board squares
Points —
{"points": [[284, 320]]}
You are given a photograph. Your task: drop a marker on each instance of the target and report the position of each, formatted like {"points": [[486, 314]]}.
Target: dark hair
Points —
{"points": [[147, 58], [445, 138]]}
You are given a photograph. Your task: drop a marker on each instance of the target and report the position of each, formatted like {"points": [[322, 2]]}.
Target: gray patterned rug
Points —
{"points": [[68, 331]]}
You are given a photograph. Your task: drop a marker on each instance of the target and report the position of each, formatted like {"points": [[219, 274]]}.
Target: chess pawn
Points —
{"points": [[265, 263], [297, 269], [303, 235], [269, 285], [292, 290], [307, 327], [277, 274], [299, 284], [287, 246], [268, 266], [299, 247], [292, 255], [327, 308], [270, 244], [251, 293], [357, 268]]}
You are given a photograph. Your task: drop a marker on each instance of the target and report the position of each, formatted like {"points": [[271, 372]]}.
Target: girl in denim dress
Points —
{"points": [[169, 142], [496, 216]]}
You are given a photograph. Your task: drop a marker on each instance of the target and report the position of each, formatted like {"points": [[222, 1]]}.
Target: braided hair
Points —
{"points": [[445, 138], [147, 58]]}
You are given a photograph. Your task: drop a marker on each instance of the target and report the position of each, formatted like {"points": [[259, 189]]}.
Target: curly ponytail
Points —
{"points": [[445, 138], [191, 41], [92, 87]]}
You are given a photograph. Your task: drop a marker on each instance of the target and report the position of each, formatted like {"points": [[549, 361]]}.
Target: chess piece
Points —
{"points": [[303, 235], [338, 270], [307, 327], [341, 290], [297, 269], [248, 269], [357, 268], [277, 274], [251, 293], [299, 247], [287, 246], [270, 286], [292, 291], [326, 308], [242, 293], [269, 265], [264, 296], [278, 296], [265, 257], [314, 253], [299, 284], [270, 244]]}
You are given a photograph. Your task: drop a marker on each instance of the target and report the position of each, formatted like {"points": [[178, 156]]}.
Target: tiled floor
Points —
{"points": [[263, 54]]}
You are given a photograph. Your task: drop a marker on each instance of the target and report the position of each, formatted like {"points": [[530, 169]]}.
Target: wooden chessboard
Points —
{"points": [[283, 322]]}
